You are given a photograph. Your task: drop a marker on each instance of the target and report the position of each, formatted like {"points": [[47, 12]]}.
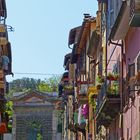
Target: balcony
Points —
{"points": [[108, 103], [68, 89], [134, 13], [82, 94], [65, 90]]}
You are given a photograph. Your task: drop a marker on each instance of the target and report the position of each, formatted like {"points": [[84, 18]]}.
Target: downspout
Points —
{"points": [[122, 86]]}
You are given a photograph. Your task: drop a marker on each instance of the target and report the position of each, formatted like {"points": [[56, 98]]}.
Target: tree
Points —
{"points": [[26, 84], [50, 85]]}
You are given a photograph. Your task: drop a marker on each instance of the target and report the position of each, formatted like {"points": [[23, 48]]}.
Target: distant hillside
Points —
{"points": [[26, 84]]}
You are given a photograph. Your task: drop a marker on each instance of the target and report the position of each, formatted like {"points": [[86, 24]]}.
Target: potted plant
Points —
{"points": [[93, 90], [100, 79], [92, 100], [112, 76], [113, 89], [68, 89]]}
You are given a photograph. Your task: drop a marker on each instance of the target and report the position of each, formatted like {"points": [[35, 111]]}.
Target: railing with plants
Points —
{"points": [[112, 76], [109, 89], [92, 96], [68, 89]]}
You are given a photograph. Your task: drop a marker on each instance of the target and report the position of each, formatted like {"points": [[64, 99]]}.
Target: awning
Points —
{"points": [[73, 35], [93, 44]]}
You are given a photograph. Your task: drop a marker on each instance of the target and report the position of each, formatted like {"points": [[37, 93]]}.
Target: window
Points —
{"points": [[131, 87], [116, 67], [131, 70], [138, 64], [111, 13], [100, 65]]}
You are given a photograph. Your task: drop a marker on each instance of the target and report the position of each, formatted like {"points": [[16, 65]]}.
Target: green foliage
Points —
{"points": [[26, 84], [9, 108], [49, 85], [9, 111], [39, 136], [113, 89]]}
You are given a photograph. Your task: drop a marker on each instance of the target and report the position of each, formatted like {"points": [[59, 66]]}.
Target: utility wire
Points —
{"points": [[30, 73]]}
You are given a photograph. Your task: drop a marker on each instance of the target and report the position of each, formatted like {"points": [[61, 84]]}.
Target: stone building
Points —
{"points": [[35, 116]]}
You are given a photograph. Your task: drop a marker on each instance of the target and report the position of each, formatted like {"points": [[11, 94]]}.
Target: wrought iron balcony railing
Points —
{"points": [[109, 92]]}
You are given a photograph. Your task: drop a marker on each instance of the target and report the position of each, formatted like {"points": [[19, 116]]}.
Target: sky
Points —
{"points": [[40, 38]]}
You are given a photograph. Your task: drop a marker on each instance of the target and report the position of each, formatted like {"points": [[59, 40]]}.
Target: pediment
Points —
{"points": [[33, 99]]}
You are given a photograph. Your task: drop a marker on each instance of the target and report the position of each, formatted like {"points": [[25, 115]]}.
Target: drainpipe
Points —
{"points": [[122, 86]]}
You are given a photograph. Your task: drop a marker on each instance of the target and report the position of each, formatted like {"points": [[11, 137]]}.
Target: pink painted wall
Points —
{"points": [[132, 45], [114, 58], [132, 115], [114, 130]]}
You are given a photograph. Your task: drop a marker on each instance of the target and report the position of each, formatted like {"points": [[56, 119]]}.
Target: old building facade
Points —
{"points": [[103, 72], [5, 66], [35, 115]]}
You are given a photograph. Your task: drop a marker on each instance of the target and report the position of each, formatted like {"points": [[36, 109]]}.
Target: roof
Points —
{"points": [[43, 95]]}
